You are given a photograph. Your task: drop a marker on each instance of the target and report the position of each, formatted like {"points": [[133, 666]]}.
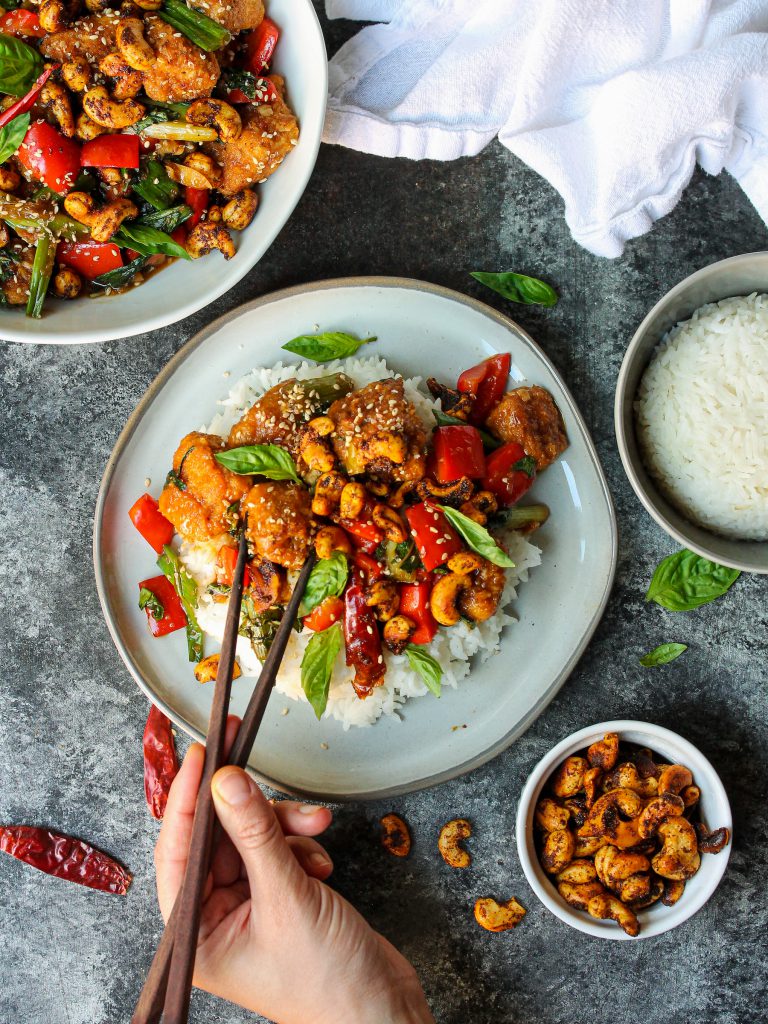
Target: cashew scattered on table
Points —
{"points": [[103, 222], [395, 837], [216, 114], [205, 237], [604, 753], [498, 917], [448, 843], [111, 113], [205, 670]]}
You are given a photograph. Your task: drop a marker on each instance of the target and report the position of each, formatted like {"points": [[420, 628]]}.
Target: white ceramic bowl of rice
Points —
{"points": [[692, 412]]}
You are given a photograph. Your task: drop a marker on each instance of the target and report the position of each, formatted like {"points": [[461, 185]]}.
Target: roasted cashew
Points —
{"points": [[679, 857], [604, 753], [55, 15], [464, 563], [67, 283], [398, 496], [205, 237], [673, 890], [578, 872], [626, 776], [86, 129], [691, 796], [591, 783], [568, 780], [588, 846], [315, 452], [4, 235], [77, 74], [658, 810], [480, 506], [352, 500], [188, 176], [444, 597], [557, 851], [550, 816], [607, 906], [389, 521], [9, 179], [132, 45], [329, 539], [241, 209], [149, 5], [206, 670], [578, 894], [498, 917], [115, 184], [54, 97], [216, 114], [655, 892], [454, 493], [327, 494], [603, 819], [395, 837], [614, 867], [673, 778], [577, 805], [127, 81], [109, 113], [383, 596], [104, 222], [397, 633], [207, 166], [96, 6], [451, 834], [712, 842]]}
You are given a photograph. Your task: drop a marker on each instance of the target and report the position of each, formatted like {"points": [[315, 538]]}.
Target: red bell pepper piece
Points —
{"points": [[458, 452], [260, 46], [111, 151], [265, 93], [414, 604], [325, 614], [27, 101], [173, 612], [436, 540], [486, 383], [509, 473], [197, 200], [362, 640], [160, 761], [89, 258], [365, 534], [146, 516], [22, 23], [52, 159], [227, 562], [367, 565]]}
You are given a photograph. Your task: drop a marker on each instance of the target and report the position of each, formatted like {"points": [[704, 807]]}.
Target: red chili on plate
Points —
{"points": [[27, 101], [436, 540], [509, 473], [458, 452], [90, 259], [52, 159], [173, 616], [486, 383], [111, 151], [146, 516], [160, 761]]}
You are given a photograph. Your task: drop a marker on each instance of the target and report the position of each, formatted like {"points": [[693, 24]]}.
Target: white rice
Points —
{"points": [[702, 417], [452, 647]]}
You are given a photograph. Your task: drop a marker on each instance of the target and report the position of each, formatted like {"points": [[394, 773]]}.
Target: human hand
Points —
{"points": [[273, 937]]}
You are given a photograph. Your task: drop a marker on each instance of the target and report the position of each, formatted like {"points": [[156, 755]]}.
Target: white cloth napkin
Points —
{"points": [[612, 101]]}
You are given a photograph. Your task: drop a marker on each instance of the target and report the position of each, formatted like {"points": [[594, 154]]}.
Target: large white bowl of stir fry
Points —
{"points": [[426, 450], [150, 152]]}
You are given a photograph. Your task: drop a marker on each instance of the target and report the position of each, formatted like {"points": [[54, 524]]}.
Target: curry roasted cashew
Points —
{"points": [[55, 15], [455, 493], [328, 490], [550, 816], [674, 778], [127, 81], [443, 601], [10, 179], [655, 892], [604, 753], [603, 819], [352, 500], [498, 917], [610, 907], [216, 114], [383, 597], [132, 46], [626, 776], [67, 283], [390, 523], [480, 506], [397, 633], [111, 113], [77, 74], [591, 782], [712, 842], [657, 811], [448, 843], [206, 670], [557, 851], [673, 890], [240, 210], [578, 894], [329, 539], [207, 166], [54, 97], [568, 780], [395, 835], [679, 857], [103, 222], [205, 237], [86, 129]]}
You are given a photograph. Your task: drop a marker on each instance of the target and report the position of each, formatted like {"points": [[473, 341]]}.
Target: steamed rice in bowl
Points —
{"points": [[702, 417], [452, 648]]}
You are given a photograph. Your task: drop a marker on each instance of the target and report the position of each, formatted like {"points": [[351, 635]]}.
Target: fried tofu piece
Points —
{"points": [[236, 15], [530, 417], [269, 134], [15, 284], [92, 37], [378, 430], [279, 523], [182, 70], [199, 508], [278, 417]]}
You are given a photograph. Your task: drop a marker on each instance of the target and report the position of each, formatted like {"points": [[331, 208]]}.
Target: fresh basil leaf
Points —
{"points": [[170, 565], [203, 31], [12, 136], [151, 602], [662, 654], [685, 581], [166, 220], [444, 419], [477, 537], [172, 477], [258, 90], [327, 579], [155, 187], [519, 288], [149, 241], [321, 348], [259, 627], [317, 666], [525, 465], [20, 66], [268, 460], [121, 276], [428, 667]]}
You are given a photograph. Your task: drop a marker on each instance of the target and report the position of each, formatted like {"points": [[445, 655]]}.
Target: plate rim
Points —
{"points": [[167, 372]]}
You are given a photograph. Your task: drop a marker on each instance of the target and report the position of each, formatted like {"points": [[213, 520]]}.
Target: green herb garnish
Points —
{"points": [[519, 288], [204, 32], [120, 276], [317, 666], [428, 667], [327, 579], [12, 136], [149, 241], [323, 347], [42, 269], [685, 581], [662, 655], [267, 460], [155, 187], [166, 220], [152, 603], [477, 537], [20, 66], [170, 565]]}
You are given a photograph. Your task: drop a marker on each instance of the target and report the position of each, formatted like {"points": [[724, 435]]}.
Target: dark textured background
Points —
{"points": [[71, 717]]}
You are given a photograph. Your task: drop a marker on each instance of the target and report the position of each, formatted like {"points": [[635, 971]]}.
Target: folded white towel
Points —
{"points": [[612, 101]]}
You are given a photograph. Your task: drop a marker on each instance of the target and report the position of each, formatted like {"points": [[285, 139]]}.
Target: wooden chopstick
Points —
{"points": [[153, 1002]]}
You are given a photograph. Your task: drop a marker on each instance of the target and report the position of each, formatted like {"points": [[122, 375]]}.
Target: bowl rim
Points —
{"points": [[656, 737], [623, 423], [233, 272]]}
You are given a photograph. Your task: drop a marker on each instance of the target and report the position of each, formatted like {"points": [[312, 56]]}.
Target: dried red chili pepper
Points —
{"points": [[160, 762], [64, 857]]}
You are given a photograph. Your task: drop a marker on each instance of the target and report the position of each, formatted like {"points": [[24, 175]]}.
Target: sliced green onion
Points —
{"points": [[203, 31], [42, 268], [526, 515], [181, 131]]}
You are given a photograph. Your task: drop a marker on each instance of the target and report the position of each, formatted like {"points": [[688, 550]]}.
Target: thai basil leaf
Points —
{"points": [[166, 220], [444, 419], [259, 627], [662, 655], [477, 537], [428, 667], [174, 476], [519, 288], [685, 581], [525, 465], [256, 89], [149, 241], [121, 276], [151, 602], [321, 348], [12, 136], [155, 187], [317, 666], [327, 579], [170, 565], [20, 66], [268, 460]]}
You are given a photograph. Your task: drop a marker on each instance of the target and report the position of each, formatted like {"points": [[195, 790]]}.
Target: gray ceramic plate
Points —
{"points": [[422, 330]]}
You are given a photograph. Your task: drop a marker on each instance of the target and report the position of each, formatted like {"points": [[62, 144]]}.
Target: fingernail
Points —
{"points": [[234, 788], [319, 860], [308, 808]]}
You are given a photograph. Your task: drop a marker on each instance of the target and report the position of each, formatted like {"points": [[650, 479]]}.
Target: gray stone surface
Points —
{"points": [[71, 717]]}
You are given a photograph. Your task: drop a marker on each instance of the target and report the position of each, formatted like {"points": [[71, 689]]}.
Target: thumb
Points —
{"points": [[250, 822]]}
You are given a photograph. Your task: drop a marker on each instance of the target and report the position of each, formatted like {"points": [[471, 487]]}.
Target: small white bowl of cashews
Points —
{"points": [[606, 833]]}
